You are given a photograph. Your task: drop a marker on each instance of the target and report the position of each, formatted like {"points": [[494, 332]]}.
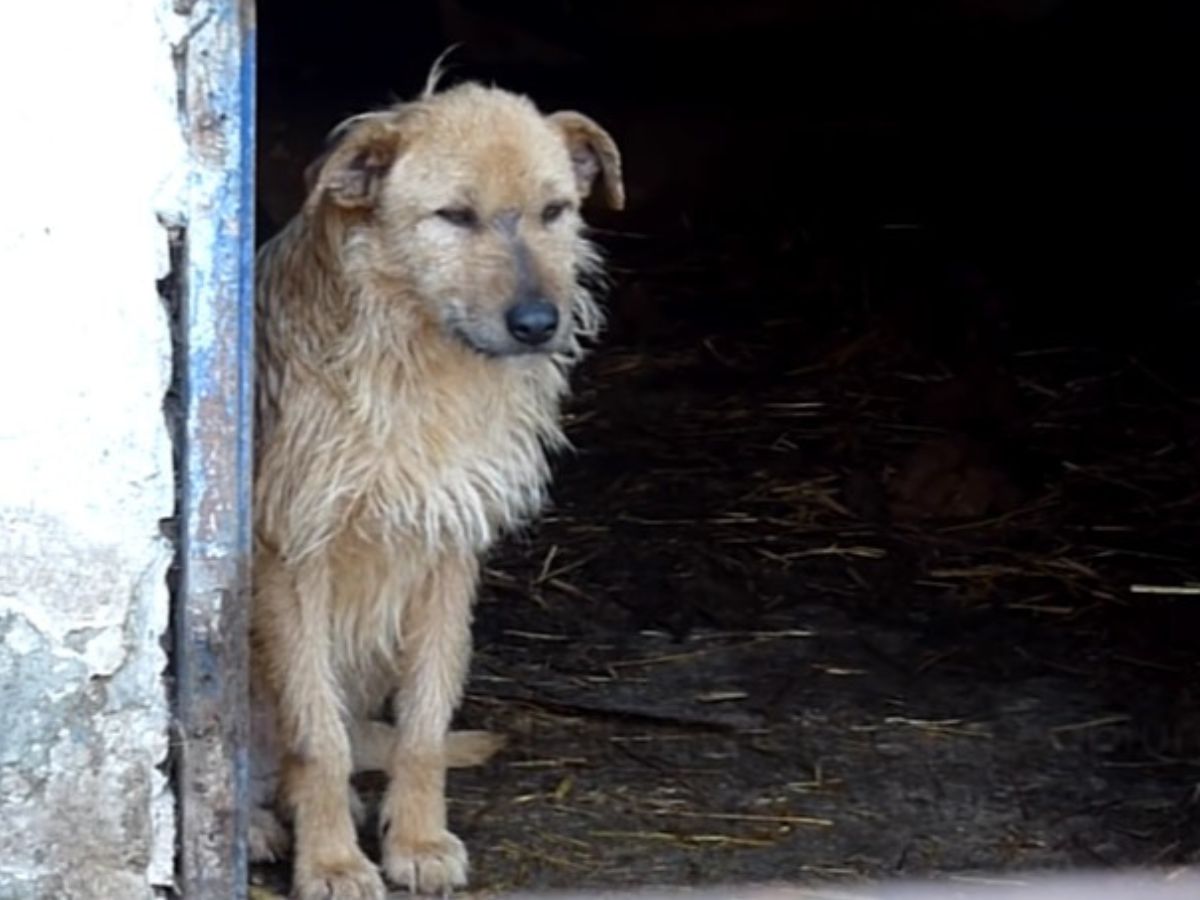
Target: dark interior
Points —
{"points": [[878, 553]]}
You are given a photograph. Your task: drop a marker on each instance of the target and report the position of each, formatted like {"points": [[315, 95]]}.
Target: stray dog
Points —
{"points": [[417, 321]]}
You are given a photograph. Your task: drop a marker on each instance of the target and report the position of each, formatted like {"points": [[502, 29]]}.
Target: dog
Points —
{"points": [[417, 323]]}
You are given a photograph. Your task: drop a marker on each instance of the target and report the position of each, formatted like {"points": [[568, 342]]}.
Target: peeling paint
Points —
{"points": [[217, 91], [85, 810]]}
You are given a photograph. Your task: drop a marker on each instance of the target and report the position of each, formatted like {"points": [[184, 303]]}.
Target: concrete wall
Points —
{"points": [[93, 163]]}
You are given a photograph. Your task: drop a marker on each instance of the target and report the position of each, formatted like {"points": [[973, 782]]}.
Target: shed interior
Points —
{"points": [[878, 553]]}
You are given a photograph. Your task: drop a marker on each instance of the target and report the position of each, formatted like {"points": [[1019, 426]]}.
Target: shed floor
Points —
{"points": [[823, 598]]}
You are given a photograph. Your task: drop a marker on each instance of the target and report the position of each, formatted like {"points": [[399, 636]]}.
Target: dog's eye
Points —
{"points": [[553, 211], [462, 216]]}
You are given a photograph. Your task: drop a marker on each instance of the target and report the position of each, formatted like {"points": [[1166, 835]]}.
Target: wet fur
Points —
{"points": [[399, 434]]}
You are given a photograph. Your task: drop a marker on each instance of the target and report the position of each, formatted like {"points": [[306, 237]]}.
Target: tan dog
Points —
{"points": [[417, 321]]}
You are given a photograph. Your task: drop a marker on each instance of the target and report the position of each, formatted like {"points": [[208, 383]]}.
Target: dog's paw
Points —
{"points": [[433, 866], [352, 878], [268, 839]]}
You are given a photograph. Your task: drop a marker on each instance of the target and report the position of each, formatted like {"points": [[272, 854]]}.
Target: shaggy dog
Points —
{"points": [[417, 321]]}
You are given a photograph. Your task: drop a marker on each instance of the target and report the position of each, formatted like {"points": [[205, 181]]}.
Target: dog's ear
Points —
{"points": [[356, 158], [593, 152]]}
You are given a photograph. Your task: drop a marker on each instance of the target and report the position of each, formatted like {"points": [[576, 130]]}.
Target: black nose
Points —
{"points": [[532, 321]]}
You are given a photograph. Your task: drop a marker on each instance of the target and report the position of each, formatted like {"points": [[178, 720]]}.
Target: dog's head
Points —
{"points": [[468, 201]]}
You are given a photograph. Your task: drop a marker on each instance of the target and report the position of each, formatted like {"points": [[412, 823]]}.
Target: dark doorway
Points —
{"points": [[878, 555]]}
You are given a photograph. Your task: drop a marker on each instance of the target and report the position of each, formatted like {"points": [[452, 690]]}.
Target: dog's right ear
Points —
{"points": [[360, 152]]}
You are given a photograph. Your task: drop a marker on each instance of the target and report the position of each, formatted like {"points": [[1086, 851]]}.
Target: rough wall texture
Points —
{"points": [[94, 163]]}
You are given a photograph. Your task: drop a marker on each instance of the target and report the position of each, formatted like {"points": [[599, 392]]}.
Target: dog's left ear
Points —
{"points": [[593, 152], [352, 168]]}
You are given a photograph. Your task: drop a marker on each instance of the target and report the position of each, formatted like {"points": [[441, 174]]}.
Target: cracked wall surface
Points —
{"points": [[95, 165]]}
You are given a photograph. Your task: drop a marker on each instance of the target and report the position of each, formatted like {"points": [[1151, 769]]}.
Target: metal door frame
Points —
{"points": [[216, 65]]}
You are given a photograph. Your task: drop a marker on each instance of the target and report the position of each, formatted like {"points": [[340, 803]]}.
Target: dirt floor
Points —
{"points": [[828, 592]]}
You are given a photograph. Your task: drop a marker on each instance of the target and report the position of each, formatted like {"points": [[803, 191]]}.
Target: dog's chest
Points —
{"points": [[460, 469]]}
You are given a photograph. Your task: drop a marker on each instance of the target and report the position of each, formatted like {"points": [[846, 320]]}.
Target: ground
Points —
{"points": [[828, 592]]}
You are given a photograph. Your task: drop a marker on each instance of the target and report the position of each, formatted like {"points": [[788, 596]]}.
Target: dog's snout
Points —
{"points": [[532, 321]]}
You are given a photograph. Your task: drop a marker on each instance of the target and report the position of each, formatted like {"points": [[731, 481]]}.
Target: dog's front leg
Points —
{"points": [[419, 852], [327, 863]]}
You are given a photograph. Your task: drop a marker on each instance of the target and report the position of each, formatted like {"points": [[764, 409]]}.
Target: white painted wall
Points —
{"points": [[93, 158]]}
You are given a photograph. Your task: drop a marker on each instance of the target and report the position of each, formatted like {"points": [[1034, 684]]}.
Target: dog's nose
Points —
{"points": [[532, 321]]}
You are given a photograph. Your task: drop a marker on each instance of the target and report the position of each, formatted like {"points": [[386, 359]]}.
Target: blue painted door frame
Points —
{"points": [[217, 88]]}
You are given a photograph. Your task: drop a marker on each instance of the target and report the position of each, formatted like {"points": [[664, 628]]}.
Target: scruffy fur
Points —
{"points": [[401, 429]]}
